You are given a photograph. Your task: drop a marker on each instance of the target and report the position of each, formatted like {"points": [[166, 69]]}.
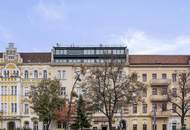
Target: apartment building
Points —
{"points": [[18, 71]]}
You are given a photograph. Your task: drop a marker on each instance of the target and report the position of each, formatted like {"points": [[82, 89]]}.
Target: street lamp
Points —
{"points": [[154, 118]]}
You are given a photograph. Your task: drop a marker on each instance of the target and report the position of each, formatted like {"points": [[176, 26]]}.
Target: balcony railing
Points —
{"points": [[158, 98], [161, 114], [160, 81]]}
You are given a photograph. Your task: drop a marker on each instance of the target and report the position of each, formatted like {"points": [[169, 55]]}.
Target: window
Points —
{"points": [[164, 127], [35, 125], [174, 126], [63, 91], [2, 88], [174, 92], [173, 108], [154, 76], [45, 74], [144, 126], [63, 74], [164, 76], [135, 127], [164, 91], [154, 107], [144, 108], [164, 106], [59, 74], [144, 77], [13, 107], [12, 90], [88, 52], [6, 74], [99, 51], [174, 77], [64, 125], [6, 108], [134, 108], [35, 74], [26, 109], [26, 92], [59, 124], [26, 125], [2, 107], [154, 91], [5, 92], [26, 74]]}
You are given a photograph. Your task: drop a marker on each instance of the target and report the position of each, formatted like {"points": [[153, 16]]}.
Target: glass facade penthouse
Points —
{"points": [[62, 55]]}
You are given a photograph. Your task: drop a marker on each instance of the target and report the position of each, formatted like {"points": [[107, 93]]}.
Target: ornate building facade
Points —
{"points": [[18, 71]]}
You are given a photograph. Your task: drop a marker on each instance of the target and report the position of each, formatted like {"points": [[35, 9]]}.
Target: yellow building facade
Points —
{"points": [[18, 71]]}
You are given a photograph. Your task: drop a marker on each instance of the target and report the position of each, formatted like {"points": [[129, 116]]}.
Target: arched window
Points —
{"points": [[26, 74], [35, 74], [6, 73], [17, 73], [45, 74]]}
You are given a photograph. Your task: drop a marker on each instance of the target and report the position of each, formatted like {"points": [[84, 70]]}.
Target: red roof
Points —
{"points": [[159, 59], [36, 57]]}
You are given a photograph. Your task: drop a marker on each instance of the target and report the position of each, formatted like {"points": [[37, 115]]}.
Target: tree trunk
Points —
{"points": [[110, 123], [182, 123]]}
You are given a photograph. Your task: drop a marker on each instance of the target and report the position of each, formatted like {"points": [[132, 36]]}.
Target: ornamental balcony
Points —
{"points": [[160, 82], [158, 98]]}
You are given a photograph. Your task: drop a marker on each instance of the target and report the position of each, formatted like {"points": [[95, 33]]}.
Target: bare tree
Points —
{"points": [[179, 97], [106, 86]]}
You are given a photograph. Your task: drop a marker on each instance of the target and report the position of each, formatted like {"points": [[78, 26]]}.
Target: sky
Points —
{"points": [[144, 26]]}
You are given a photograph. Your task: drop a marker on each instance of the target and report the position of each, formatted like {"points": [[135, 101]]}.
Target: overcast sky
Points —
{"points": [[145, 26]]}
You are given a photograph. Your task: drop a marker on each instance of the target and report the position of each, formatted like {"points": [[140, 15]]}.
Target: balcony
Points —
{"points": [[159, 82], [158, 98], [161, 114]]}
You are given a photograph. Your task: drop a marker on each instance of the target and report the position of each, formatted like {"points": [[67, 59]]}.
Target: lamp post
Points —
{"points": [[154, 118]]}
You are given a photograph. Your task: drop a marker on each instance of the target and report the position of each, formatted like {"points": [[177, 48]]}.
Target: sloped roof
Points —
{"points": [[159, 59], [36, 57], [1, 55]]}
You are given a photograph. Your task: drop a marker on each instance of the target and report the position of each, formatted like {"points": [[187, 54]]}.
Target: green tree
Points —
{"points": [[46, 100], [82, 119]]}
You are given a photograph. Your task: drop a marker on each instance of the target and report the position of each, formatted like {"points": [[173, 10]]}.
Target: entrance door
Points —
{"points": [[104, 128], [11, 126]]}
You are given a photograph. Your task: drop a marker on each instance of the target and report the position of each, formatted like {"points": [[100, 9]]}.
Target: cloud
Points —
{"points": [[139, 42], [48, 11]]}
